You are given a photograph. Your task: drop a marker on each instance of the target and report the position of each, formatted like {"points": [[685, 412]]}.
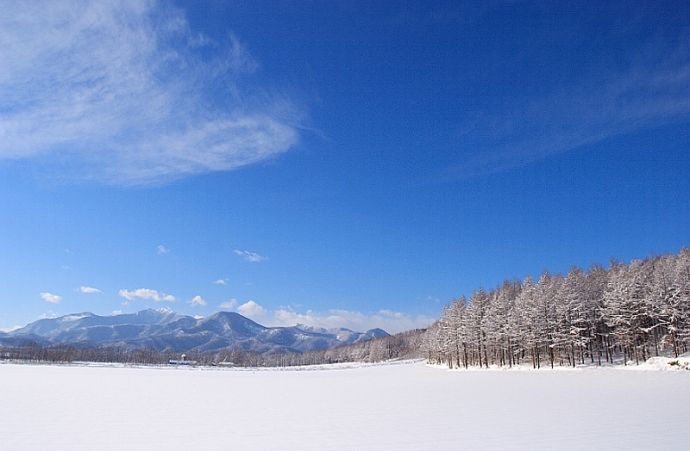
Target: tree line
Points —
{"points": [[404, 345], [627, 312], [33, 352]]}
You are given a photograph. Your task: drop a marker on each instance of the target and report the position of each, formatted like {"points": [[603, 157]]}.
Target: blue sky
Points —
{"points": [[331, 163]]}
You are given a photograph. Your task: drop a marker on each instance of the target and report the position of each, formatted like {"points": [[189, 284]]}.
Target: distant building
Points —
{"points": [[183, 361]]}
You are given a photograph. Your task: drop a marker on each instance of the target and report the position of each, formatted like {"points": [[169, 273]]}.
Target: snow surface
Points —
{"points": [[405, 406]]}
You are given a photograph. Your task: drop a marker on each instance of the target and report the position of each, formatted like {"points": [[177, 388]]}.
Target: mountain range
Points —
{"points": [[164, 329]]}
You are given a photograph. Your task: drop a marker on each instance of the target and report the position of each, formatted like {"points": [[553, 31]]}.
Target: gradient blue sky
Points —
{"points": [[331, 163]]}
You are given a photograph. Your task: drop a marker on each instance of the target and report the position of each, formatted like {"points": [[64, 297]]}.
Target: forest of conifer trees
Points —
{"points": [[626, 313]]}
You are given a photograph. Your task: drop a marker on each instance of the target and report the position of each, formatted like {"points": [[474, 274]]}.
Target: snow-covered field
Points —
{"points": [[385, 407]]}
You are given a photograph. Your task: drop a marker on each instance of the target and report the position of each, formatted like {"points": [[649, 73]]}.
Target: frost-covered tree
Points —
{"points": [[681, 300], [477, 326], [621, 313]]}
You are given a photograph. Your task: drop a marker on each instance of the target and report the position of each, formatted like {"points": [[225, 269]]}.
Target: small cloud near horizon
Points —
{"points": [[229, 305], [52, 298], [89, 290], [146, 293], [10, 329], [251, 309], [48, 315], [250, 256], [197, 301], [388, 320]]}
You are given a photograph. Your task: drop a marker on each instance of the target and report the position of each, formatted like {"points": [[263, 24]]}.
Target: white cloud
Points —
{"points": [[52, 298], [229, 305], [197, 300], [221, 282], [390, 321], [10, 329], [251, 309], [250, 256], [162, 249], [123, 91], [117, 312], [47, 315], [89, 290], [146, 293]]}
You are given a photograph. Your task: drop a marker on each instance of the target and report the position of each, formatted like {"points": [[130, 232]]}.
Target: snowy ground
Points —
{"points": [[385, 407]]}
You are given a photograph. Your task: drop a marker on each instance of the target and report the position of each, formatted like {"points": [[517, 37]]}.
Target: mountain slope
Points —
{"points": [[164, 329]]}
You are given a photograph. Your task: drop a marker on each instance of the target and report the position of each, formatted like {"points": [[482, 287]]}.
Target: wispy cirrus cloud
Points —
{"points": [[52, 298], [89, 290], [162, 249], [652, 91], [123, 91], [221, 282], [146, 293], [250, 256]]}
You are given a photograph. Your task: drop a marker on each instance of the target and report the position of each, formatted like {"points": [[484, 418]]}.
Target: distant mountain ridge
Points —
{"points": [[164, 329]]}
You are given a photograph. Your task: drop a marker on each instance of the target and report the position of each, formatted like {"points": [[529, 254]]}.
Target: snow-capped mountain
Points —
{"points": [[345, 335], [165, 329]]}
